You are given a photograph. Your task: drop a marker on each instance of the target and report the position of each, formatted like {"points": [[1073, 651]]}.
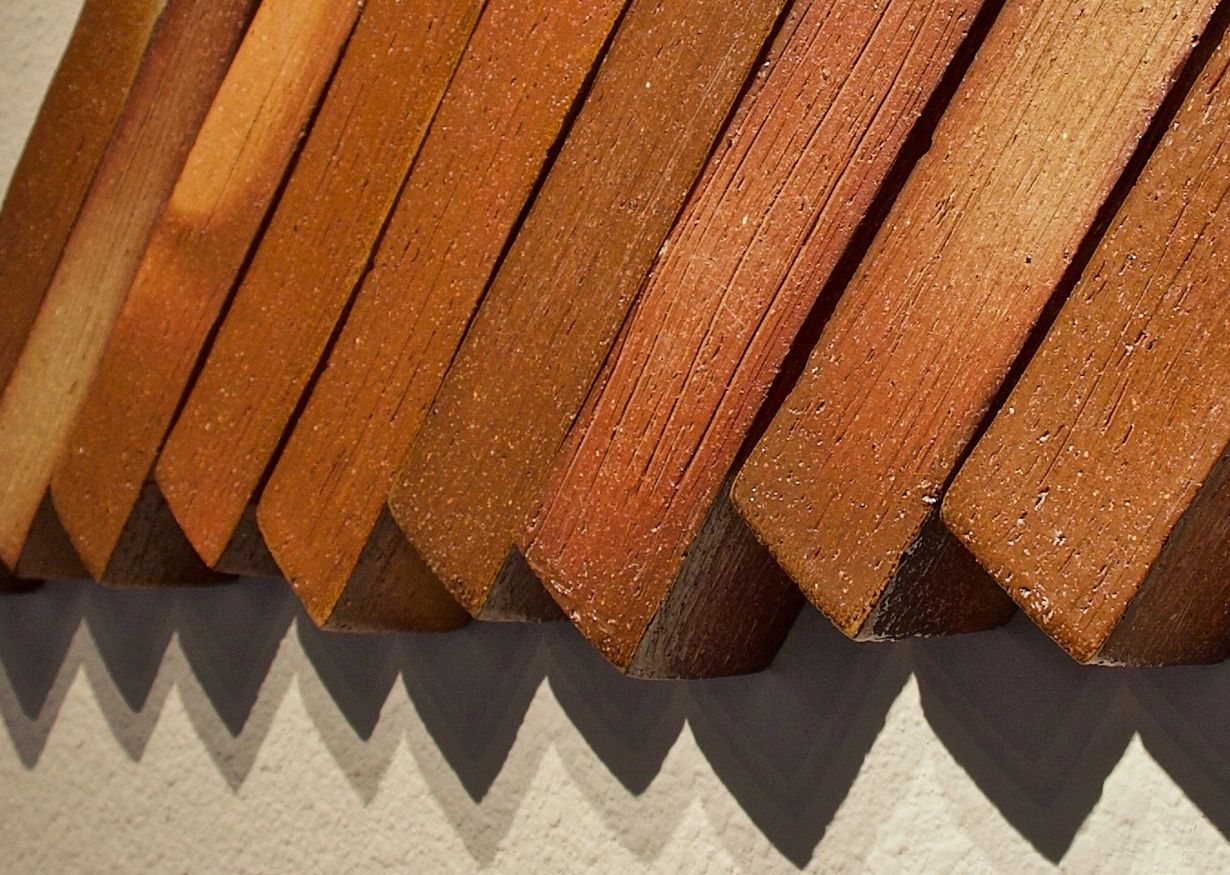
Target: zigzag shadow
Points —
{"points": [[1185, 727], [789, 742], [1035, 731]]}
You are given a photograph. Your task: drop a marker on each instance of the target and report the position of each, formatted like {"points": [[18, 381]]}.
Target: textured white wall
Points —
{"points": [[217, 731]]}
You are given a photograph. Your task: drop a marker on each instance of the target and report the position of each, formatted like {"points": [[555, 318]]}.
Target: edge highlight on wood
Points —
{"points": [[848, 478], [197, 249], [1100, 496], [381, 101], [180, 73], [666, 88], [87, 96]]}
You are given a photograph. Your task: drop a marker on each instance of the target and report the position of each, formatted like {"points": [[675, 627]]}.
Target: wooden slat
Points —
{"points": [[546, 325], [1100, 496], [179, 76], [62, 154], [385, 93], [321, 511], [637, 493], [190, 266], [850, 472]]}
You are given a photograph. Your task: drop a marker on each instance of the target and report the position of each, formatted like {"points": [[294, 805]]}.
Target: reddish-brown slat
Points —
{"points": [[1100, 496], [638, 494], [846, 480]]}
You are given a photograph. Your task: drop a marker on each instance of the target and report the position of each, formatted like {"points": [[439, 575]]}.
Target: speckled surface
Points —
{"points": [[191, 262], [778, 203], [855, 463], [673, 73], [1098, 497], [217, 732], [508, 103]]}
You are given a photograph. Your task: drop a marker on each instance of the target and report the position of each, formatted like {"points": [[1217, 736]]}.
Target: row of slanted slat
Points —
{"points": [[659, 315]]}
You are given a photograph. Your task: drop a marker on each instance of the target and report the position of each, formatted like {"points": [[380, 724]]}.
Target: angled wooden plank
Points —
{"points": [[552, 313], [179, 76], [640, 492], [847, 479], [322, 511], [195, 253], [62, 154], [383, 97], [1100, 496]]}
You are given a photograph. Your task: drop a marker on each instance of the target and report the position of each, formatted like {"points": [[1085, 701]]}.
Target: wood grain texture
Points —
{"points": [[508, 104], [775, 210], [190, 266], [1099, 497], [179, 77], [62, 154], [847, 479], [375, 115], [546, 325]]}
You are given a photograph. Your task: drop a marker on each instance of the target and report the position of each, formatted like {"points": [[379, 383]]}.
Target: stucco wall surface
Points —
{"points": [[217, 731]]}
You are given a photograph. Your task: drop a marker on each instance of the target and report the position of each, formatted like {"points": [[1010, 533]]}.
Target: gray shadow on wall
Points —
{"points": [[1185, 726], [1036, 733], [789, 742], [471, 689]]}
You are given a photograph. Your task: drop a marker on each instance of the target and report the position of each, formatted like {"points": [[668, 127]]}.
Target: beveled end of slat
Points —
{"points": [[47, 553], [390, 588]]}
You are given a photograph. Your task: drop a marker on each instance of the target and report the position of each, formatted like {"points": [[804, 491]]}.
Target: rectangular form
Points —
{"points": [[62, 154], [635, 490], [323, 509], [195, 253], [844, 483], [179, 76], [379, 106], [537, 345], [1100, 496]]}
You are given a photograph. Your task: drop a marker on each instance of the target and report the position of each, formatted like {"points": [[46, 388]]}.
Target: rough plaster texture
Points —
{"points": [[217, 731]]}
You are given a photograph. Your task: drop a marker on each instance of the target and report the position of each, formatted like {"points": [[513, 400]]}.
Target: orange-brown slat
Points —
{"points": [[196, 251], [1100, 496], [379, 107], [322, 511], [62, 154], [182, 69], [546, 325], [629, 520], [847, 479]]}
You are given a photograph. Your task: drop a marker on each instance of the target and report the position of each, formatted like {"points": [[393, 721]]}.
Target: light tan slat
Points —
{"points": [[179, 76], [384, 95], [70, 136], [190, 266]]}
